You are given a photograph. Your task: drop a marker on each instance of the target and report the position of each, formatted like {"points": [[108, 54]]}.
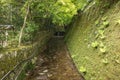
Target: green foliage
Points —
{"points": [[102, 37], [105, 61], [95, 44], [31, 27], [83, 69], [103, 50], [5, 11], [34, 60], [63, 11], [97, 1], [42, 9], [80, 3], [29, 66], [96, 22], [101, 32], [24, 8], [106, 24], [102, 12], [59, 12], [30, 30], [22, 75]]}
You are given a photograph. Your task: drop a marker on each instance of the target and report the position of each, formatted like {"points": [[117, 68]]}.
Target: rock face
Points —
{"points": [[94, 40]]}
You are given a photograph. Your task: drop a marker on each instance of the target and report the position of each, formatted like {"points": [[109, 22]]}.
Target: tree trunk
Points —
{"points": [[24, 24]]}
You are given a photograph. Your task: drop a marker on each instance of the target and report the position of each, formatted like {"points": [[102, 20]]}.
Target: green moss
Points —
{"points": [[96, 65]]}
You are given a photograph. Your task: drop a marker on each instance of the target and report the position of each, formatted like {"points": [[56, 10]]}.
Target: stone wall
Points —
{"points": [[11, 57], [94, 40]]}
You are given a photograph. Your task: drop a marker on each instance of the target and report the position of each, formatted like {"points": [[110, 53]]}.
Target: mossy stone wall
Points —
{"points": [[94, 40], [11, 57]]}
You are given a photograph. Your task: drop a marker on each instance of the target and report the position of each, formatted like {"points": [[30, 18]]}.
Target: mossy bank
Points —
{"points": [[94, 40]]}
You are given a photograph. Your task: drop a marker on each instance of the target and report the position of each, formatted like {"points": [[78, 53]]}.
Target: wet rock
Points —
{"points": [[45, 71], [41, 73], [42, 78], [27, 74], [36, 67], [49, 75]]}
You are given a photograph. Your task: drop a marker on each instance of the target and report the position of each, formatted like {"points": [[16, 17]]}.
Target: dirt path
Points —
{"points": [[55, 64]]}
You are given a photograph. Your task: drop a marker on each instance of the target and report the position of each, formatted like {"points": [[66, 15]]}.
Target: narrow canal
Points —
{"points": [[55, 63]]}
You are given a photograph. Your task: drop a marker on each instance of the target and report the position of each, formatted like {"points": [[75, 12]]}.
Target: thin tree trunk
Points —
{"points": [[24, 24]]}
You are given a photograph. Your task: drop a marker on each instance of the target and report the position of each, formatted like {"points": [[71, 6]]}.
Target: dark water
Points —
{"points": [[54, 63]]}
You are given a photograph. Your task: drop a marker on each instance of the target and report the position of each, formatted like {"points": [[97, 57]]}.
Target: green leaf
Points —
{"points": [[103, 49], [104, 18], [95, 44], [105, 61], [83, 69], [106, 24], [101, 32], [102, 37]]}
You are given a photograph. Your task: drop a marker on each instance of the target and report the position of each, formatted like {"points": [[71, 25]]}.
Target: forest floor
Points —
{"points": [[54, 63]]}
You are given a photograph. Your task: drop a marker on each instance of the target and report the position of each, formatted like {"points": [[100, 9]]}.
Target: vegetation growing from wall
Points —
{"points": [[93, 42]]}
